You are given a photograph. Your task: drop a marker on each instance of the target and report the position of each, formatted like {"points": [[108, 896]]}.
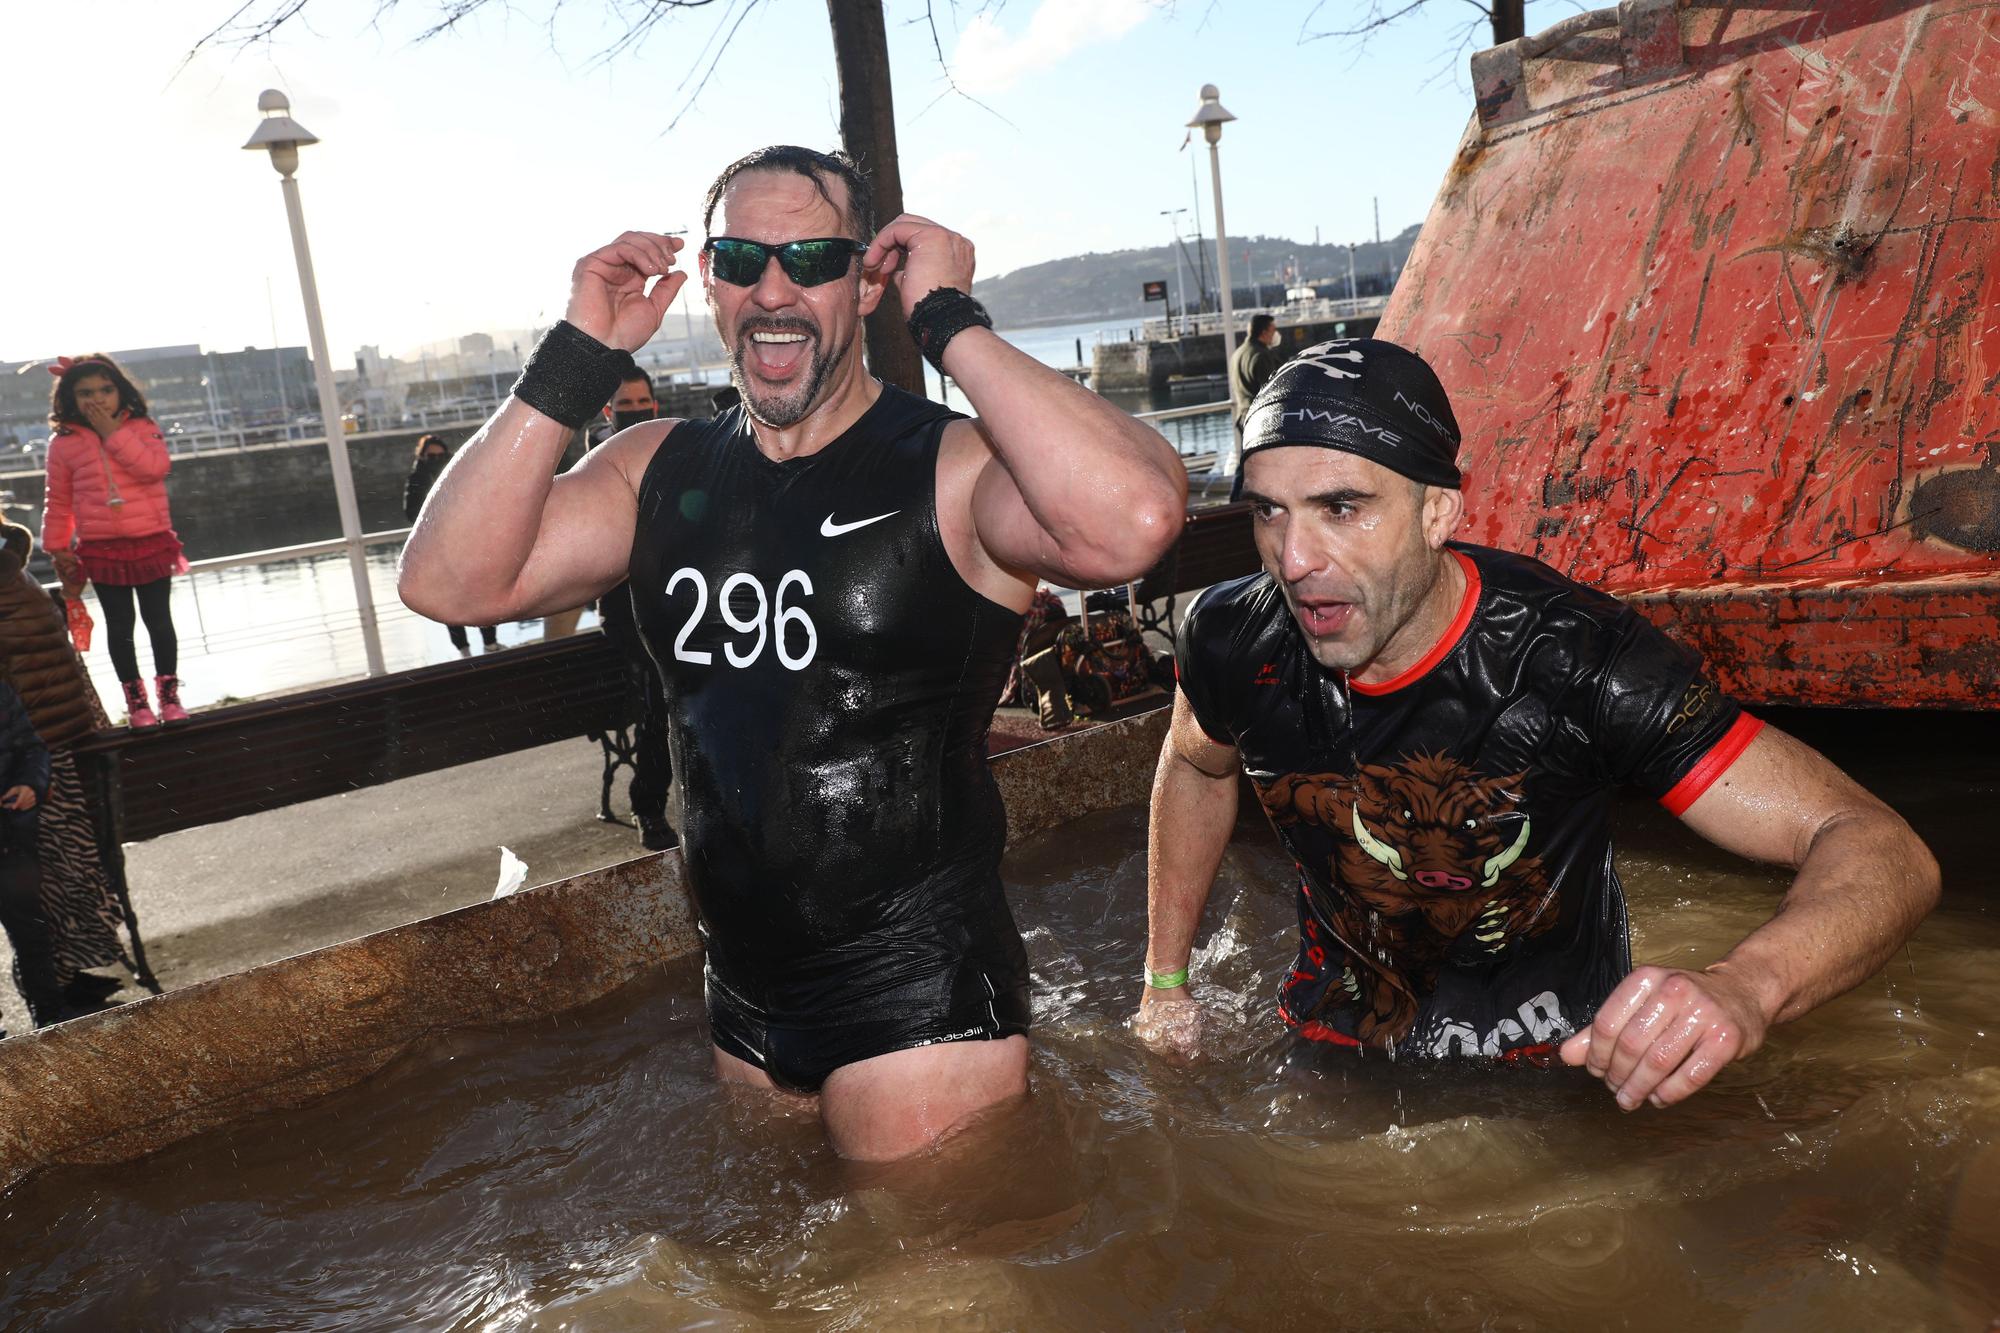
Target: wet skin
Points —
{"points": [[1359, 552], [791, 348]]}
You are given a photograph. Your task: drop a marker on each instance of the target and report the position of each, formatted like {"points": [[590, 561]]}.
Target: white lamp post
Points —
{"points": [[1209, 118], [282, 137]]}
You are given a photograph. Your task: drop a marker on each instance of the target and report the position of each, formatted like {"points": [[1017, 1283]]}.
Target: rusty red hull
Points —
{"points": [[1716, 291]]}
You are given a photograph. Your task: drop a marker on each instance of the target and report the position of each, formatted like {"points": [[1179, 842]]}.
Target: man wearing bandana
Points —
{"points": [[1436, 731]]}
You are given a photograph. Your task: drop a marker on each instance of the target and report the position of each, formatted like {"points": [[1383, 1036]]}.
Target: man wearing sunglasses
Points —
{"points": [[831, 577]]}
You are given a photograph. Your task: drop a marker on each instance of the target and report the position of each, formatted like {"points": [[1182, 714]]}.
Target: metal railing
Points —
{"points": [[303, 551], [1162, 329], [1178, 413]]}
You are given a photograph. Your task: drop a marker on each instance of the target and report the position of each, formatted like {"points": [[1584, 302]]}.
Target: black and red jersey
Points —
{"points": [[1452, 826]]}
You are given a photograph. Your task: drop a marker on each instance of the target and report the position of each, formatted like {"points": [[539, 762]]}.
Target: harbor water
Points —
{"points": [[588, 1173]]}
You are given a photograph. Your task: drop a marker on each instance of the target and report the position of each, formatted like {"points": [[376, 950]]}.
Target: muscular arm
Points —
{"points": [[501, 537], [1194, 811], [1864, 882], [1073, 490], [1053, 481]]}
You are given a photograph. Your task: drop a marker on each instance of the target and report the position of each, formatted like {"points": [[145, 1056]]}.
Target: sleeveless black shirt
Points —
{"points": [[830, 679]]}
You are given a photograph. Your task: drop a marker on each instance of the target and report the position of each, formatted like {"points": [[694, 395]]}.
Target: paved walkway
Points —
{"points": [[228, 896]]}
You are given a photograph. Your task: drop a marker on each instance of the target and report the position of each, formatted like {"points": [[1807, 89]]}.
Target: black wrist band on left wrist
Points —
{"points": [[571, 375], [939, 317]]}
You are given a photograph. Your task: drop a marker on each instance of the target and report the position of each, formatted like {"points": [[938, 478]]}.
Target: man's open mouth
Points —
{"points": [[1321, 617], [777, 354]]}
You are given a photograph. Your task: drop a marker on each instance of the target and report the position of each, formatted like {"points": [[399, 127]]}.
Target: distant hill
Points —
{"points": [[1109, 286]]}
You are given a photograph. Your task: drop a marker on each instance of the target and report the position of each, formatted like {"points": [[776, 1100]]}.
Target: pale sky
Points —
{"points": [[459, 178]]}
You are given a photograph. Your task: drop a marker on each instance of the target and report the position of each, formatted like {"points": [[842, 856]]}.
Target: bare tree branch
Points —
{"points": [[1374, 21], [641, 16], [1505, 18], [944, 66], [688, 105]]}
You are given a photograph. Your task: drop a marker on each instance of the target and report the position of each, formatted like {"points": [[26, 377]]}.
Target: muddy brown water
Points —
{"points": [[587, 1173]]}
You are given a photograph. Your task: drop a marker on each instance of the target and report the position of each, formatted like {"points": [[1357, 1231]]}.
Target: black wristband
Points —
{"points": [[941, 316], [571, 375]]}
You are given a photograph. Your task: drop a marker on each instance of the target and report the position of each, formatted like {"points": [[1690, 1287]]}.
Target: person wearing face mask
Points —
{"points": [[652, 770], [1436, 732], [831, 576], [632, 405], [429, 464], [105, 519]]}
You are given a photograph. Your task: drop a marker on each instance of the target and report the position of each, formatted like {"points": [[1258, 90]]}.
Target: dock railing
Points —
{"points": [[1323, 311]]}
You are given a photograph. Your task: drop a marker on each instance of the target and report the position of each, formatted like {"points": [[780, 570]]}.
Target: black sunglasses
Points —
{"points": [[807, 263]]}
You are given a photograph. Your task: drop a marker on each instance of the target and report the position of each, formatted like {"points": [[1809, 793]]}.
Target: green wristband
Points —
{"points": [[1166, 980]]}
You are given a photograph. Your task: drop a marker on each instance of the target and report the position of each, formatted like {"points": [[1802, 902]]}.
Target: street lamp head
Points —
{"points": [[278, 133], [1211, 115]]}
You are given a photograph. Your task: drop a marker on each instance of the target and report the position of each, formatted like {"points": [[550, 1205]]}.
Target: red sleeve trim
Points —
{"points": [[1712, 765]]}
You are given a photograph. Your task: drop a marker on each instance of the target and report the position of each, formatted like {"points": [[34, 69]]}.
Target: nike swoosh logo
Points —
{"points": [[829, 528]]}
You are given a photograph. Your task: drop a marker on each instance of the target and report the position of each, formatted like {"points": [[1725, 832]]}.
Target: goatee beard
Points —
{"points": [[787, 407]]}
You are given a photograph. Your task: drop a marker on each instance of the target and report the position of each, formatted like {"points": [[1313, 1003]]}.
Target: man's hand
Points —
{"points": [[929, 256], [1169, 1022], [18, 798], [607, 289], [1665, 1032]]}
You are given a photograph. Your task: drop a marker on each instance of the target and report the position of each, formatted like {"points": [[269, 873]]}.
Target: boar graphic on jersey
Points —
{"points": [[1429, 870]]}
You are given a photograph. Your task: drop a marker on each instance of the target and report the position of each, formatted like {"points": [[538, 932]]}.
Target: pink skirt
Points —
{"points": [[128, 562]]}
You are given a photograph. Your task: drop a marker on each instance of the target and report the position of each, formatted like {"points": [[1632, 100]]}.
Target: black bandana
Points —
{"points": [[1363, 396]]}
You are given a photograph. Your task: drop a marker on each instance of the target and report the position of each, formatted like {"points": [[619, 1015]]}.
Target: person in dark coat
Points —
{"points": [[79, 909], [24, 781], [652, 769], [432, 454]]}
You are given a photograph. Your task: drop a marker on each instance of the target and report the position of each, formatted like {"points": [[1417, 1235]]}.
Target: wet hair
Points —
{"points": [[816, 167], [1261, 324], [426, 441], [63, 411], [634, 376]]}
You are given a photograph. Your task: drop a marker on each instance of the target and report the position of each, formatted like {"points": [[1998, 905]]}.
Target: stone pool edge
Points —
{"points": [[127, 1082]]}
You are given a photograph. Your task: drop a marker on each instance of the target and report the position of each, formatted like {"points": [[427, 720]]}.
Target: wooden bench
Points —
{"points": [[246, 758]]}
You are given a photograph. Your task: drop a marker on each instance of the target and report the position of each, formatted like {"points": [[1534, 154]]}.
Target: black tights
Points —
{"points": [[116, 599]]}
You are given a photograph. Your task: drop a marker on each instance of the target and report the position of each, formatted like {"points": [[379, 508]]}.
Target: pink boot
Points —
{"points": [[169, 690], [139, 711]]}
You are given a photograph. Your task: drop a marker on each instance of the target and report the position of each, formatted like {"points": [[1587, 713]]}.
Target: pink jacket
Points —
{"points": [[76, 502]]}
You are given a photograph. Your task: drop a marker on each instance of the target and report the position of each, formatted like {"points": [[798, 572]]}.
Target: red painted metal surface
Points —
{"points": [[1716, 292]]}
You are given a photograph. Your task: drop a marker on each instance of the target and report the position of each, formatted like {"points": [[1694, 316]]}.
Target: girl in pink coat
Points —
{"points": [[105, 518]]}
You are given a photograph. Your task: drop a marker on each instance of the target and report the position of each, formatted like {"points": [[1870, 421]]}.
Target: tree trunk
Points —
{"points": [[868, 132], [1510, 20]]}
